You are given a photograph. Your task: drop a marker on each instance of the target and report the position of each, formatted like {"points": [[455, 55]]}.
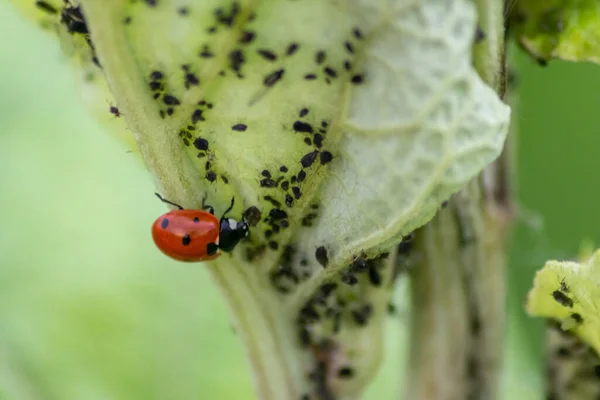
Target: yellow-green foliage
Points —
{"points": [[569, 292], [565, 29]]}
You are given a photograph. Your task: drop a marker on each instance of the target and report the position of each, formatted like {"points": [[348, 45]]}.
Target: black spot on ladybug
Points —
{"points": [[308, 159], [273, 77], [292, 48], [325, 157], [357, 79], [171, 100], [164, 223], [44, 6], [239, 127], [321, 256], [211, 248], [304, 127], [267, 54], [186, 239], [201, 144], [252, 215], [211, 176], [196, 220]]}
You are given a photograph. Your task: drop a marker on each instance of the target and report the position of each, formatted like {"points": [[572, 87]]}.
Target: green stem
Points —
{"points": [[458, 289], [267, 338], [488, 54]]}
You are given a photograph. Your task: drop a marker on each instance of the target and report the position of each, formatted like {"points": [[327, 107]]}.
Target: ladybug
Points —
{"points": [[197, 235]]}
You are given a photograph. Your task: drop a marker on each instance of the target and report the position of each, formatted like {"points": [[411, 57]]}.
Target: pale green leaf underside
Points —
{"points": [[564, 29], [569, 293], [421, 127]]}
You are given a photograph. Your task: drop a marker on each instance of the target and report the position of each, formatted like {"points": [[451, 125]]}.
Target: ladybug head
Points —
{"points": [[231, 232]]}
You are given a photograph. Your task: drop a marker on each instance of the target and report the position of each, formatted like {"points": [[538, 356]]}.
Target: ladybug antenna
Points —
{"points": [[230, 207], [167, 201]]}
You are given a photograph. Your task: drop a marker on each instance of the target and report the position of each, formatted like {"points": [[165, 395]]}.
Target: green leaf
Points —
{"points": [[564, 29], [568, 292]]}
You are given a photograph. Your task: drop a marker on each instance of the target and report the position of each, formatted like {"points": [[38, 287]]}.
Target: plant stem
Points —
{"points": [[458, 288], [267, 338]]}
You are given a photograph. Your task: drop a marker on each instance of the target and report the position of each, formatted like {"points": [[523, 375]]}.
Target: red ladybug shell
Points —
{"points": [[185, 234]]}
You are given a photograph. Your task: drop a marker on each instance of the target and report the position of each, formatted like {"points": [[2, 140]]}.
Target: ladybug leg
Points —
{"points": [[167, 201], [207, 207]]}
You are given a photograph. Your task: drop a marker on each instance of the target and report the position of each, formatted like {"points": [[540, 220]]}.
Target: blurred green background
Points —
{"points": [[89, 309]]}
